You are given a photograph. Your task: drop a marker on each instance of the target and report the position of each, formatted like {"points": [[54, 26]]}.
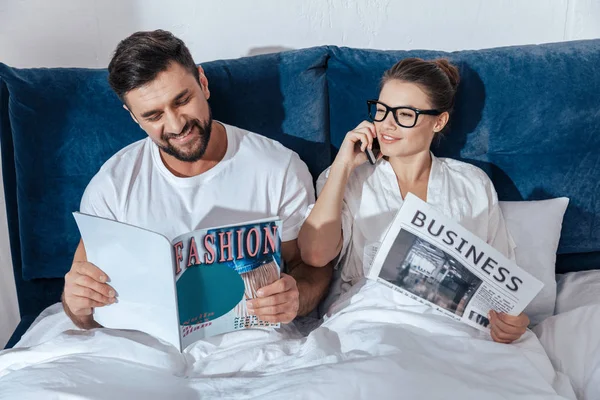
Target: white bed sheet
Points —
{"points": [[572, 341], [571, 338], [376, 344]]}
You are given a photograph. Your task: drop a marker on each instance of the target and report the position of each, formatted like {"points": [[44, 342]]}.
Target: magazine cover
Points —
{"points": [[217, 270], [183, 290]]}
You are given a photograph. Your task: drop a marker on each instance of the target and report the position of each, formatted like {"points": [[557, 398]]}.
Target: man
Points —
{"points": [[192, 172]]}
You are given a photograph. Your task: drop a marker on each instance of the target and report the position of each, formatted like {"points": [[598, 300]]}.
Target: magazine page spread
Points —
{"points": [[436, 261], [217, 270]]}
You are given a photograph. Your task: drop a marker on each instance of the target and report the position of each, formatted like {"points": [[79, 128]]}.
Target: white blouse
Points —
{"points": [[459, 190]]}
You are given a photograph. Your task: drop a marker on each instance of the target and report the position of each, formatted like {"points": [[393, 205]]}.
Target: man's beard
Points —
{"points": [[197, 147]]}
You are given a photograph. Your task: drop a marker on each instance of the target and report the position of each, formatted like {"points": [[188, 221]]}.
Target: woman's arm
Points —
{"points": [[320, 240]]}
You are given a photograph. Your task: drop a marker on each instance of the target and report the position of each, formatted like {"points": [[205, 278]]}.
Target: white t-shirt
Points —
{"points": [[372, 198], [257, 178]]}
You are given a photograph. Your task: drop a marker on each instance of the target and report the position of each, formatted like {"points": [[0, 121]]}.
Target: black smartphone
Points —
{"points": [[373, 153]]}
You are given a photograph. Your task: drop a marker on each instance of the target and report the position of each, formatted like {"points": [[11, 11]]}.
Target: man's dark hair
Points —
{"points": [[139, 58]]}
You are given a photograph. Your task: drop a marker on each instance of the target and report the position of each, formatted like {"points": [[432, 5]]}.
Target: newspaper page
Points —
{"points": [[433, 259]]}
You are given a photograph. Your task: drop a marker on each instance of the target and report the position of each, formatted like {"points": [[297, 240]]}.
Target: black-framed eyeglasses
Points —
{"points": [[404, 116]]}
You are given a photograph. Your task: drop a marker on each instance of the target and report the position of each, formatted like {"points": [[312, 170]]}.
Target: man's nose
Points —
{"points": [[174, 122]]}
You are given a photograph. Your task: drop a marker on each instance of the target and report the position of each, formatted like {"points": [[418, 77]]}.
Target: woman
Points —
{"points": [[358, 201]]}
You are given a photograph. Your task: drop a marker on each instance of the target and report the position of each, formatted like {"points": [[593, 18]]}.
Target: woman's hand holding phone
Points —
{"points": [[356, 144]]}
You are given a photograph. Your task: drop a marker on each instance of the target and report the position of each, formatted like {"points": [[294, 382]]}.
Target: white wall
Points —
{"points": [[83, 33], [54, 33]]}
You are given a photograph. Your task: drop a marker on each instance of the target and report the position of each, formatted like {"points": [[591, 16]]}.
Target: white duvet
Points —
{"points": [[377, 344]]}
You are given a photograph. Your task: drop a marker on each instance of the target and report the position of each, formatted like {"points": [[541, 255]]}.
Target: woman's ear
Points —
{"points": [[441, 121]]}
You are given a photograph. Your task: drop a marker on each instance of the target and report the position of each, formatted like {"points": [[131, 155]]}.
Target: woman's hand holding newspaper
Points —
{"points": [[507, 328]]}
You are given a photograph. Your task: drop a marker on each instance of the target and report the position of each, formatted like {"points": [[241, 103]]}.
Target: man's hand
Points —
{"points": [[277, 302], [507, 328], [86, 288]]}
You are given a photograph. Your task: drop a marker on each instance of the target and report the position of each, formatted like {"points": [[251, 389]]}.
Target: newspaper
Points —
{"points": [[436, 261]]}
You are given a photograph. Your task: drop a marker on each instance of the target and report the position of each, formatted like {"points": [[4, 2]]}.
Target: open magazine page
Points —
{"points": [[436, 261], [140, 267], [217, 270]]}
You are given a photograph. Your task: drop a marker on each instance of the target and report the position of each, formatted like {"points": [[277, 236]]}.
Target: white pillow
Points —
{"points": [[577, 289], [535, 227], [572, 343]]}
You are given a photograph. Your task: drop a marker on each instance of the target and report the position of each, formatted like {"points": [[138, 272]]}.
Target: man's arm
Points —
{"points": [[312, 282], [295, 294], [84, 322], [299, 292]]}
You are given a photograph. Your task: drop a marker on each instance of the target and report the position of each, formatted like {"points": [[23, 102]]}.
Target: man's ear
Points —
{"points": [[130, 113], [203, 82]]}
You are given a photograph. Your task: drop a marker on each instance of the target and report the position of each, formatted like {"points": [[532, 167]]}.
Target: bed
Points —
{"points": [[367, 342], [374, 343]]}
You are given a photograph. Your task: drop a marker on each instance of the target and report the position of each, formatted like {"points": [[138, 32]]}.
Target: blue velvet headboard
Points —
{"points": [[527, 115]]}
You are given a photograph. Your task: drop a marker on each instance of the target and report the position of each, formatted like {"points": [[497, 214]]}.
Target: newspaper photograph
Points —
{"points": [[436, 261]]}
